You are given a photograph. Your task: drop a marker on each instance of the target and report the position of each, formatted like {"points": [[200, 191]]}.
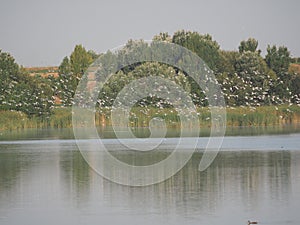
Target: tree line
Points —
{"points": [[245, 76]]}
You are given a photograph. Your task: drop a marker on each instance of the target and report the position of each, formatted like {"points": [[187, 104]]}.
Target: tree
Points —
{"points": [[295, 60], [19, 91], [65, 66], [66, 83], [247, 64], [71, 71], [93, 54], [203, 45], [163, 36], [80, 60], [249, 45], [295, 88], [228, 61], [258, 80], [278, 59], [122, 78], [9, 73]]}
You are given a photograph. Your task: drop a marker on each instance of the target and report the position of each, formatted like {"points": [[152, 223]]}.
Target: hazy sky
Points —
{"points": [[39, 33]]}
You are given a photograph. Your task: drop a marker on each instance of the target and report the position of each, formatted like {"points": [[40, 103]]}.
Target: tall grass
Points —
{"points": [[141, 117], [11, 120], [14, 120], [61, 118], [263, 116]]}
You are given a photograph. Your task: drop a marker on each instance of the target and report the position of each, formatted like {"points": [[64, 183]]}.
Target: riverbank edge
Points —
{"points": [[61, 117]]}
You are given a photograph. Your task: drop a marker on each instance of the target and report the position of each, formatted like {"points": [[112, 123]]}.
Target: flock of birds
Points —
{"points": [[240, 91], [237, 91]]}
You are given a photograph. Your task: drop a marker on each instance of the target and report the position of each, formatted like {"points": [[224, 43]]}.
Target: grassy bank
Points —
{"points": [[140, 117], [263, 116]]}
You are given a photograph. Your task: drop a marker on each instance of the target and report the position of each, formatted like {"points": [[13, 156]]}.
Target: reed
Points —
{"points": [[60, 118], [263, 115], [12, 120], [142, 117]]}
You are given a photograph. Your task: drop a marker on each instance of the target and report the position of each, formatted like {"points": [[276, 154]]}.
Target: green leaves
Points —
{"points": [[278, 59], [65, 66], [70, 72], [80, 60], [122, 78], [163, 36], [202, 45], [20, 92], [248, 45], [245, 76]]}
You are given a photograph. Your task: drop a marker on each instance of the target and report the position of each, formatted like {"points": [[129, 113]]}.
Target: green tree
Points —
{"points": [[295, 60], [71, 71], [119, 80], [203, 45], [257, 79], [295, 88], [228, 61], [163, 36], [93, 55], [65, 66], [80, 60], [249, 45], [278, 59], [9, 74], [247, 64], [19, 91]]}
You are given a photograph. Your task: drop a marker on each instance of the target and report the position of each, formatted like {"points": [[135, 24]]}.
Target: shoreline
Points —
{"points": [[262, 116]]}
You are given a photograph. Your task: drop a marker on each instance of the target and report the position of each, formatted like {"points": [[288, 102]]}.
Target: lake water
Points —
{"points": [[45, 180]]}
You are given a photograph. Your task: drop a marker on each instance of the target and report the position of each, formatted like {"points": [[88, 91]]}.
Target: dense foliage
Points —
{"points": [[246, 77], [21, 92], [71, 70]]}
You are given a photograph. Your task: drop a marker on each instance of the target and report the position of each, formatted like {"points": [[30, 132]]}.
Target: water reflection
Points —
{"points": [[240, 176], [108, 132], [13, 168], [76, 176], [249, 183]]}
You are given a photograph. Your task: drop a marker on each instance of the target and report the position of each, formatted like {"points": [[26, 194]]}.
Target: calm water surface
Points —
{"points": [[47, 181]]}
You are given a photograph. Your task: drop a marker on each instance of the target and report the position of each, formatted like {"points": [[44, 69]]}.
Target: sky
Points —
{"points": [[42, 33]]}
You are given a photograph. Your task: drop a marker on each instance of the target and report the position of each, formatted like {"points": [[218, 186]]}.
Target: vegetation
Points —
{"points": [[258, 90], [140, 117], [20, 92]]}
